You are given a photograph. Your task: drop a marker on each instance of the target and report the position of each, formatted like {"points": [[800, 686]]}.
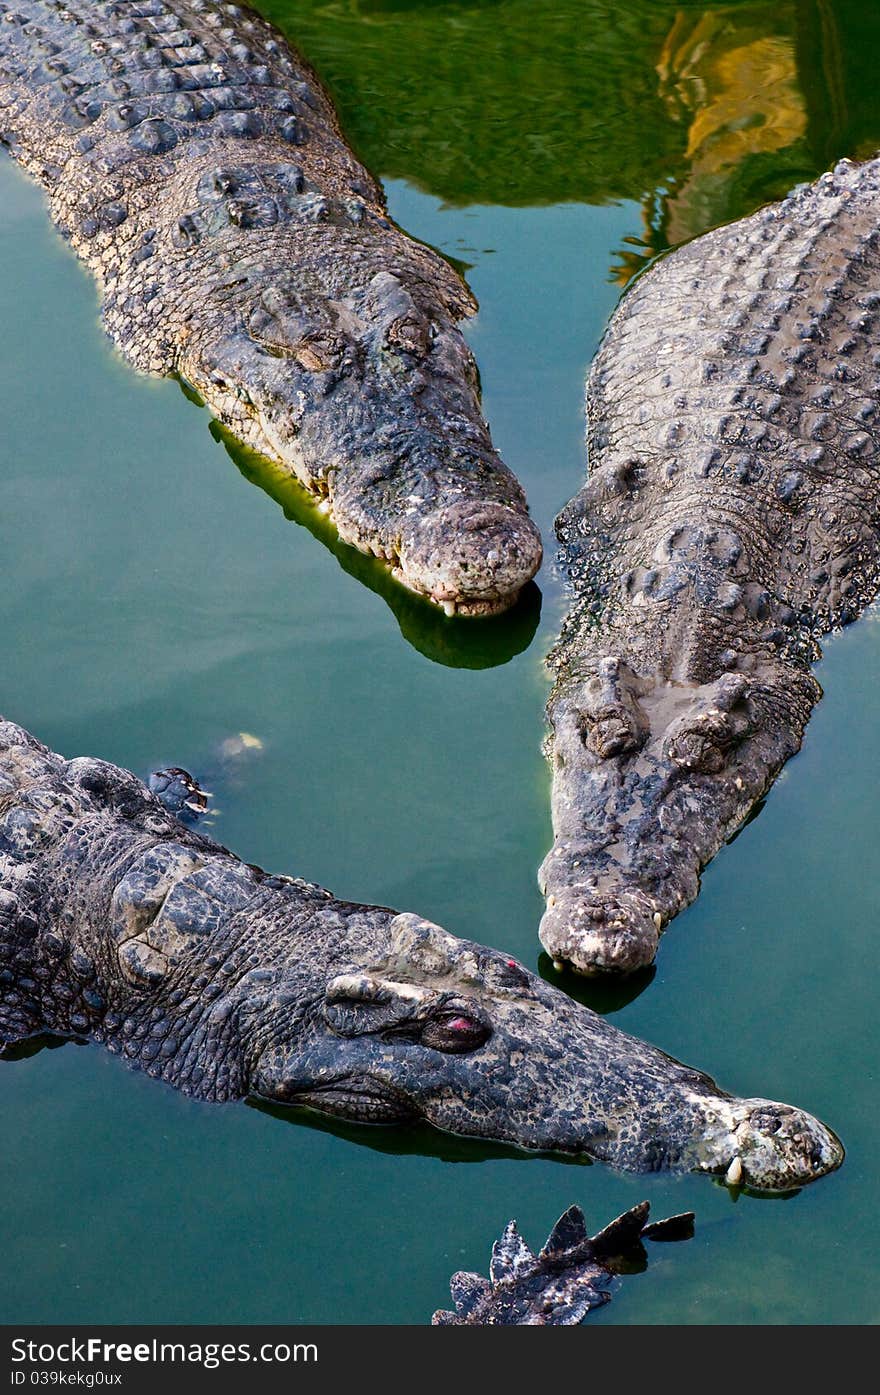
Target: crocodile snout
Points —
{"points": [[472, 558], [766, 1145], [594, 935]]}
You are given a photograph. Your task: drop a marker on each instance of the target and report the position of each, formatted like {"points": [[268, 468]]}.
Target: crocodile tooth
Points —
{"points": [[733, 1175]]}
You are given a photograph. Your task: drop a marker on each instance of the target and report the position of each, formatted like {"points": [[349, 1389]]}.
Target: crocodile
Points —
{"points": [[122, 925], [571, 1275], [196, 165], [730, 519]]}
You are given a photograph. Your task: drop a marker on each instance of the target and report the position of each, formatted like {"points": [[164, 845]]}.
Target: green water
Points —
{"points": [[154, 603]]}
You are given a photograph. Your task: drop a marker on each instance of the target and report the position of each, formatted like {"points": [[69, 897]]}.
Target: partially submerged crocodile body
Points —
{"points": [[731, 518], [120, 924], [571, 1275], [195, 164]]}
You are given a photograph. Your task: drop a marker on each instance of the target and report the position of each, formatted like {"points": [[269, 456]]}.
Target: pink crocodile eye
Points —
{"points": [[456, 1033]]}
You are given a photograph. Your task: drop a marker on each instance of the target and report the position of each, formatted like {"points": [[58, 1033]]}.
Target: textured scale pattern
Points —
{"points": [[195, 163], [731, 517], [740, 384], [91, 92], [121, 925]]}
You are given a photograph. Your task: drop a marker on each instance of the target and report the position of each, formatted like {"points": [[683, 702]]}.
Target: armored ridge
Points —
{"points": [[731, 517], [120, 924], [196, 165], [570, 1276]]}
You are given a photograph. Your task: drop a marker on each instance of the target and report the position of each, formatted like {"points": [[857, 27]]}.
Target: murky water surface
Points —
{"points": [[154, 603]]}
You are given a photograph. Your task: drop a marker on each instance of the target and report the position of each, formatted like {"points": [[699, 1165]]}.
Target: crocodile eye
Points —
{"points": [[409, 333], [455, 1032], [317, 353], [310, 357]]}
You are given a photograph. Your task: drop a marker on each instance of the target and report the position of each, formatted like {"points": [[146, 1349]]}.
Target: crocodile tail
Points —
{"points": [[623, 1234], [569, 1232], [510, 1255], [680, 1227]]}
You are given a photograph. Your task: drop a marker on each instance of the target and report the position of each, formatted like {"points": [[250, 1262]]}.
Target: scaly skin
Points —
{"points": [[121, 924], [571, 1275], [730, 519], [196, 165]]}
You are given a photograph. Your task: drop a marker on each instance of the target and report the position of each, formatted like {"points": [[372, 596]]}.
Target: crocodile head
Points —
{"points": [[358, 381], [464, 1038], [650, 777], [226, 981]]}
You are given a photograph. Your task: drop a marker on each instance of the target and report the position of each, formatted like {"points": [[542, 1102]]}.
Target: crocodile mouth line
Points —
{"points": [[469, 607], [357, 1099]]}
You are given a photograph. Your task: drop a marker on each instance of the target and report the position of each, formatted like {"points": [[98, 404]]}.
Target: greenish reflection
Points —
{"points": [[837, 44], [457, 643], [500, 103], [701, 112]]}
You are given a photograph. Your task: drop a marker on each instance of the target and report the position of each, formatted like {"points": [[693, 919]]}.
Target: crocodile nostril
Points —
{"points": [[695, 750], [409, 333], [610, 737], [609, 734], [766, 1122]]}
